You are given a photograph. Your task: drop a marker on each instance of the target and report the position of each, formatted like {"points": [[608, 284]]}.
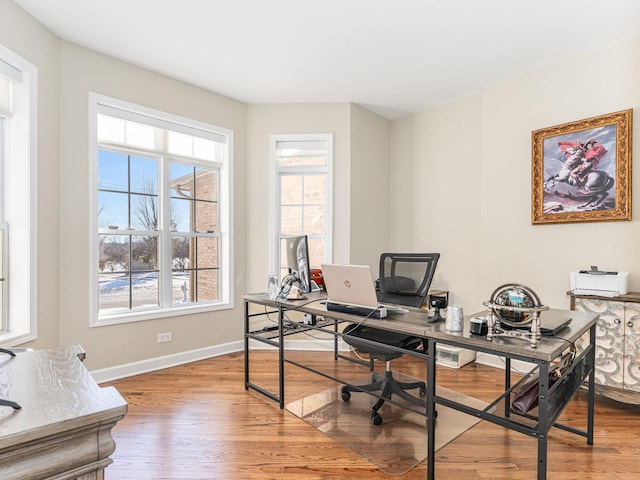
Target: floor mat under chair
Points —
{"points": [[400, 442]]}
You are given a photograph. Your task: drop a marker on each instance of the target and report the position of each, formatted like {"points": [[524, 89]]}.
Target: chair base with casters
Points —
{"points": [[387, 385]]}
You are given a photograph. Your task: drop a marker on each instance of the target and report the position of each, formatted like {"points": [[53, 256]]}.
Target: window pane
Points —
{"points": [[114, 291], [144, 175], [180, 144], [314, 189], [144, 291], [113, 171], [110, 129], [291, 161], [181, 181], [316, 160], [144, 212], [203, 148], [206, 216], [302, 153], [181, 253], [206, 184], [140, 135], [316, 252], [207, 253], [291, 190], [207, 285], [181, 215], [291, 220], [113, 210], [180, 287], [113, 253], [314, 220], [144, 253]]}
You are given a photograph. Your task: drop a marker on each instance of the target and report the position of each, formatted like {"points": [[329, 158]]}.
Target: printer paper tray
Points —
{"points": [[599, 293]]}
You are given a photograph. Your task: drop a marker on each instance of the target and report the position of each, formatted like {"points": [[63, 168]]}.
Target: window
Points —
{"points": [[163, 208], [18, 216], [302, 187]]}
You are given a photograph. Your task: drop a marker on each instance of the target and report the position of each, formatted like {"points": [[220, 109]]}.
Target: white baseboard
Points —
{"points": [[167, 361]]}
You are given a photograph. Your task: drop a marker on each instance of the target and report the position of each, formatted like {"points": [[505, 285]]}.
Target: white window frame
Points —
{"points": [[275, 235], [122, 109], [18, 163]]}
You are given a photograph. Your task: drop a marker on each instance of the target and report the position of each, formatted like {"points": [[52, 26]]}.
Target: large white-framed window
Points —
{"points": [[162, 209], [18, 199], [301, 186]]}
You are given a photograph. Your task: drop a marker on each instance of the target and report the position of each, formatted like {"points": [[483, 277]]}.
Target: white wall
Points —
{"points": [[436, 191], [475, 154], [369, 187]]}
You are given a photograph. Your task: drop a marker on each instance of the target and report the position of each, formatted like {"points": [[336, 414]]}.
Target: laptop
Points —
{"points": [[551, 322], [350, 289]]}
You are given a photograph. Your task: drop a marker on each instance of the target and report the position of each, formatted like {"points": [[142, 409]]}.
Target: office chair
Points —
{"points": [[405, 279]]}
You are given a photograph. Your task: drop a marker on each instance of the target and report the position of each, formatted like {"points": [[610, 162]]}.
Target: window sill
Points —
{"points": [[158, 314], [11, 339]]}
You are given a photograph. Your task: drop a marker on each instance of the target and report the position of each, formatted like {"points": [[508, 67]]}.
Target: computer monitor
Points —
{"points": [[297, 253]]}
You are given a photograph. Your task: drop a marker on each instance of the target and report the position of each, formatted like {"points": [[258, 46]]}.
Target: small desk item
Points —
{"points": [[63, 430]]}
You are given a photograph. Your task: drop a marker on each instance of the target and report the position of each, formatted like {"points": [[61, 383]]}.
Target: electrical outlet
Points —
{"points": [[165, 337]]}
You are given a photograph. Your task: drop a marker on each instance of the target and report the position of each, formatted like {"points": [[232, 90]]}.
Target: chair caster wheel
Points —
{"points": [[346, 395], [376, 419]]}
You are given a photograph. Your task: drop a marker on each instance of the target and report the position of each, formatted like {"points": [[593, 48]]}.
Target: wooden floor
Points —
{"points": [[197, 422]]}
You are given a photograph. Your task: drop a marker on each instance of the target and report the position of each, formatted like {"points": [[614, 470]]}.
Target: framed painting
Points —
{"points": [[581, 171]]}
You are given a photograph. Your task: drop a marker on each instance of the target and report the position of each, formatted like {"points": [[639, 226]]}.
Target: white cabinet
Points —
{"points": [[617, 371]]}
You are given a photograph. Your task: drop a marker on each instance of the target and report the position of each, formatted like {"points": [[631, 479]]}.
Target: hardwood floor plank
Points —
{"points": [[197, 422]]}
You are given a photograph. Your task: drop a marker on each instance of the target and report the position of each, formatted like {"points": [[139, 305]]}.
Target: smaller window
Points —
{"points": [[302, 194]]}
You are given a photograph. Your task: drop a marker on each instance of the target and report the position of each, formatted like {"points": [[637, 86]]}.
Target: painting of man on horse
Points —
{"points": [[580, 171]]}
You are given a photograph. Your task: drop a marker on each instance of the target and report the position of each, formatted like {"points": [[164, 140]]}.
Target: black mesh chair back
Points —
{"points": [[405, 278]]}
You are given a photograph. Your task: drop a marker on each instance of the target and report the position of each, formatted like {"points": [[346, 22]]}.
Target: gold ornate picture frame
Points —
{"points": [[581, 171]]}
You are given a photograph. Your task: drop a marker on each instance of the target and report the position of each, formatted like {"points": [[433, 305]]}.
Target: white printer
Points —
{"points": [[598, 282]]}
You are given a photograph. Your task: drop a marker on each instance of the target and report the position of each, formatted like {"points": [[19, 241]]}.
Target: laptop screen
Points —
{"points": [[350, 285]]}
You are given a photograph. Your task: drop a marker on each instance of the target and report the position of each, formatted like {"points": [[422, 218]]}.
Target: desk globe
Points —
{"points": [[514, 310]]}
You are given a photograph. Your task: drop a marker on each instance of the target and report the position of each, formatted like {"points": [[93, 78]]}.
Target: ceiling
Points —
{"points": [[394, 57]]}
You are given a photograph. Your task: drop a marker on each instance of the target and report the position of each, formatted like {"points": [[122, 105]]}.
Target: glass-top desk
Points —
{"points": [[552, 399]]}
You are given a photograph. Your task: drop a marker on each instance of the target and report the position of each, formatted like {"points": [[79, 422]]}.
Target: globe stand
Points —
{"points": [[528, 330]]}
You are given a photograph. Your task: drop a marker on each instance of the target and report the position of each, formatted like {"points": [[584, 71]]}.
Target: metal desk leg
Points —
{"points": [[281, 354], [592, 387], [431, 408], [543, 420], [246, 345], [507, 386]]}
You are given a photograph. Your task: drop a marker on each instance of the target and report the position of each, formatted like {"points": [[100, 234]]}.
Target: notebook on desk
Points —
{"points": [[350, 289]]}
